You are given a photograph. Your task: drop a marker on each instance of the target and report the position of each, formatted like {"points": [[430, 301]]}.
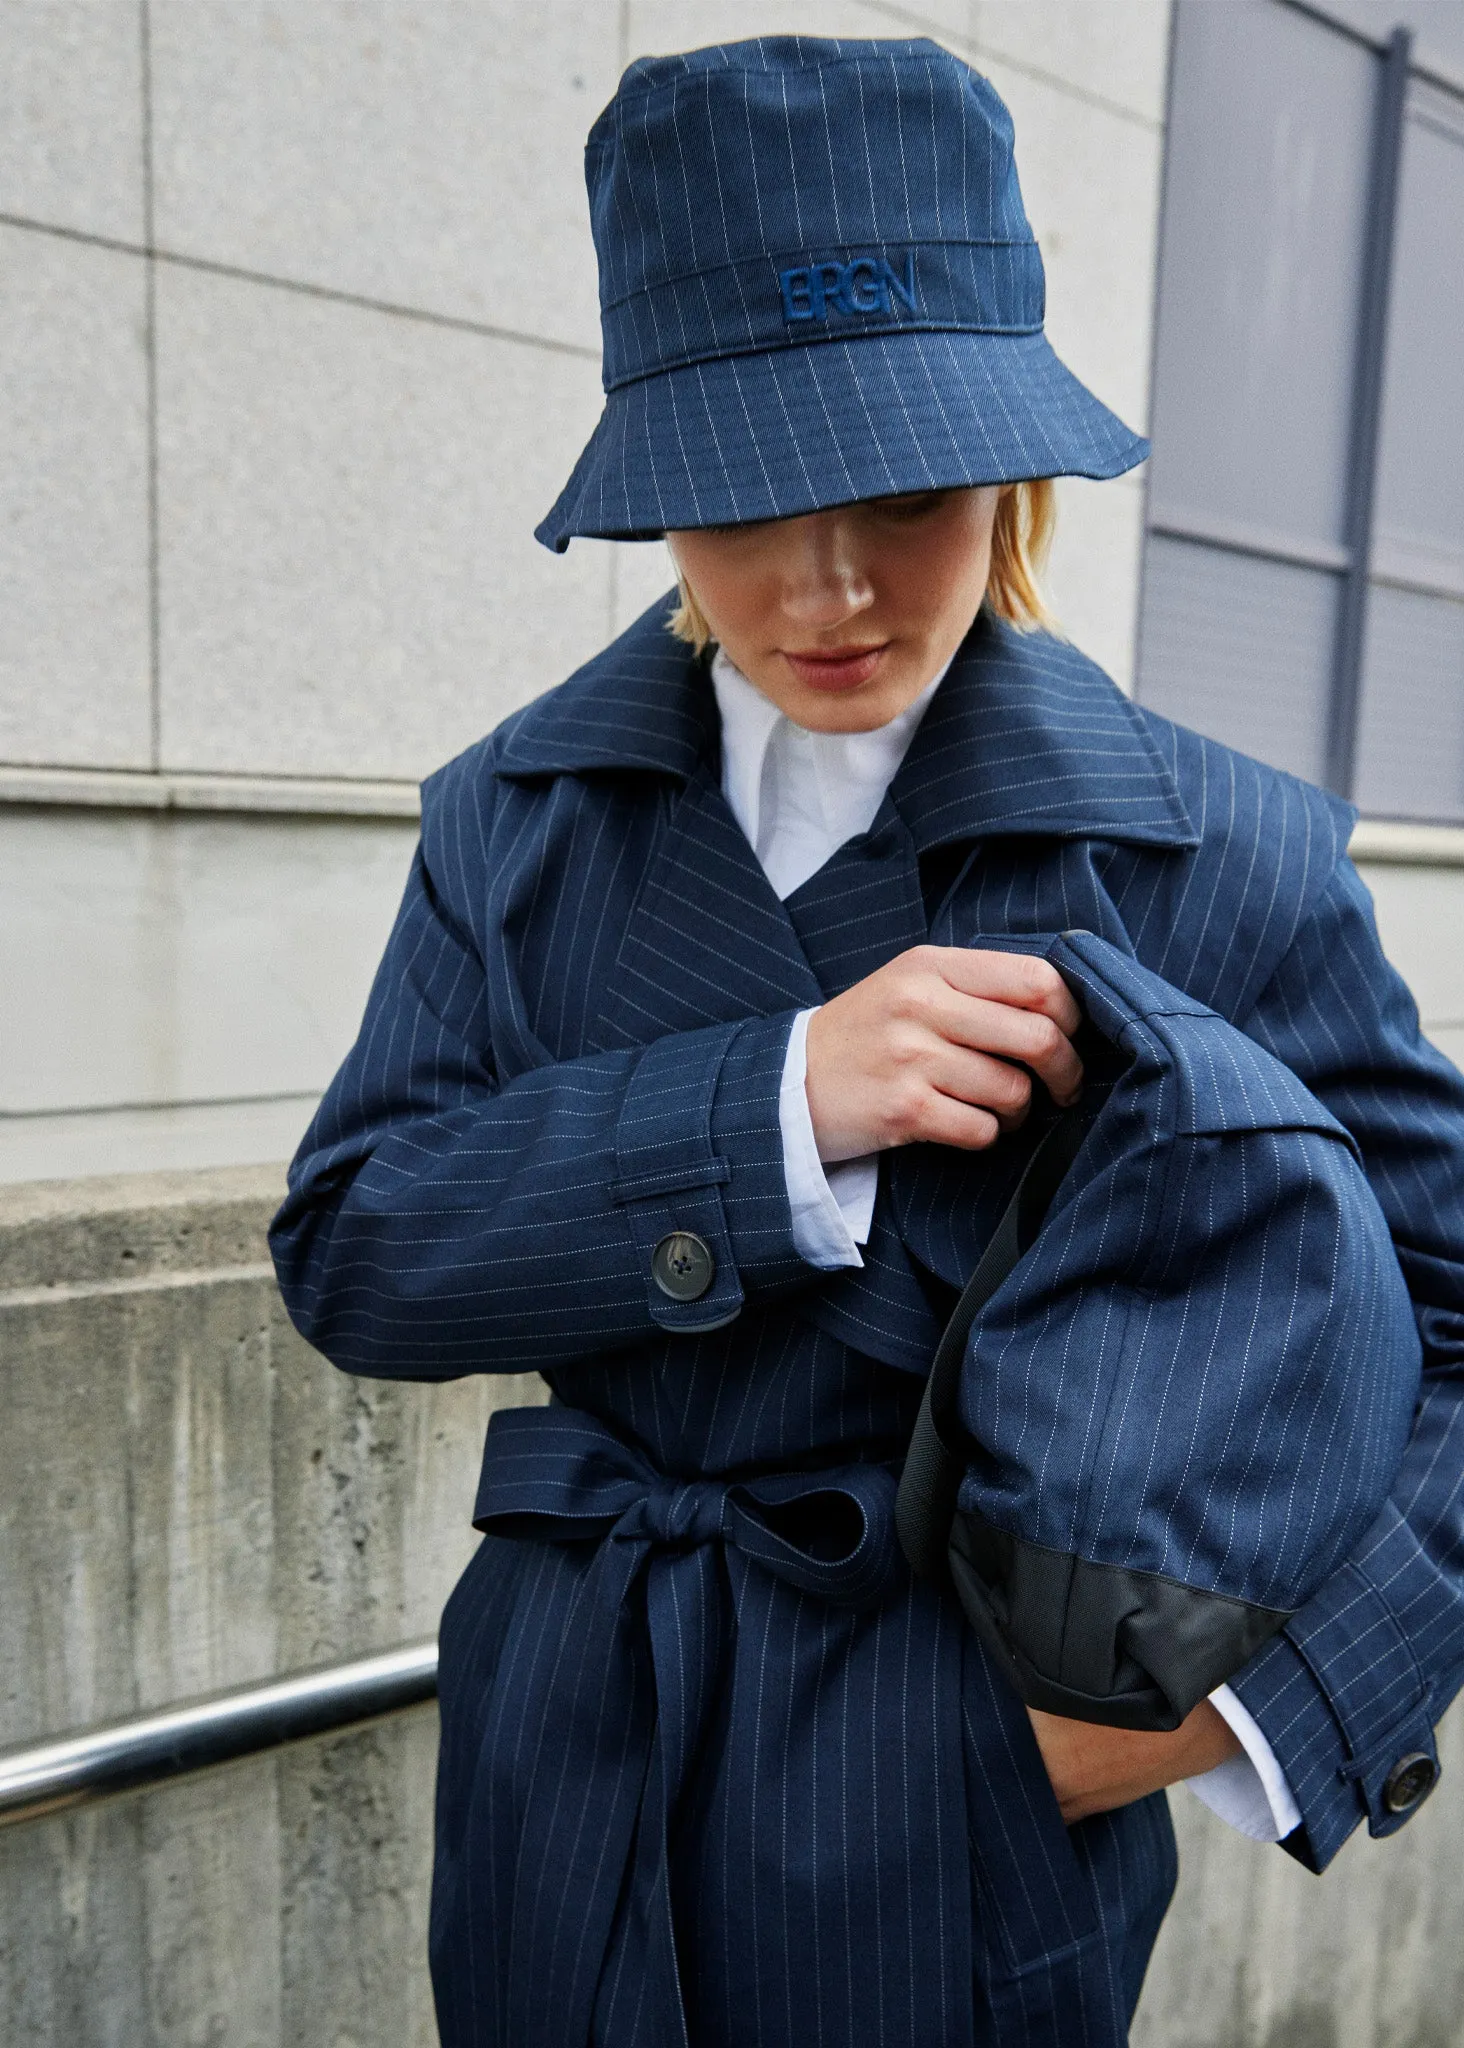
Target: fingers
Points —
{"points": [[1015, 979], [939, 1046], [945, 1121], [973, 1023], [1006, 1004], [984, 1083], [962, 1098]]}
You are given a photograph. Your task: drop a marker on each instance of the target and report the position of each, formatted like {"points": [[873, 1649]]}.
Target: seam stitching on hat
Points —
{"points": [[922, 50], [792, 343], [664, 283]]}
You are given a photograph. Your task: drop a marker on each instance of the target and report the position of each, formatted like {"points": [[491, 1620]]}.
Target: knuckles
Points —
{"points": [[1046, 1039], [1010, 1089]]}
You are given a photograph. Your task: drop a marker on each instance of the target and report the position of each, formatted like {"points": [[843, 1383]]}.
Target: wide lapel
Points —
{"points": [[708, 941], [863, 907], [1026, 736]]}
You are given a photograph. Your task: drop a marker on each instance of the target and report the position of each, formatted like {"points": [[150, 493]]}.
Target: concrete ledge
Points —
{"points": [[125, 789], [123, 1228]]}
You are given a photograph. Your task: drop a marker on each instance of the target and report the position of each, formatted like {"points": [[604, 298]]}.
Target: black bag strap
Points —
{"points": [[926, 1502]]}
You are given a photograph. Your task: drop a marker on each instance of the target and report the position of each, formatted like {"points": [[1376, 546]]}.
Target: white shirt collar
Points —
{"points": [[799, 795]]}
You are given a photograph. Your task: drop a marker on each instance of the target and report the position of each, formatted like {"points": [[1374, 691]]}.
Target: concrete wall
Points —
{"points": [[1258, 1953], [299, 338], [190, 1497]]}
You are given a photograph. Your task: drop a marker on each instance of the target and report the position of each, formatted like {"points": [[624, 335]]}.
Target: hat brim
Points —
{"points": [[768, 436]]}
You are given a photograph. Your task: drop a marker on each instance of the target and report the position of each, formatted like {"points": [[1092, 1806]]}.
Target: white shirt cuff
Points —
{"points": [[1250, 1791], [833, 1209]]}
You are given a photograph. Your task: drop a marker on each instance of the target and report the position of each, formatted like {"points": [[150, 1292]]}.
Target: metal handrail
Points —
{"points": [[148, 1749]]}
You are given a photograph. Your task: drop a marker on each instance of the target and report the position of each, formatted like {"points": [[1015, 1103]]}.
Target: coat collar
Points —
{"points": [[1025, 735]]}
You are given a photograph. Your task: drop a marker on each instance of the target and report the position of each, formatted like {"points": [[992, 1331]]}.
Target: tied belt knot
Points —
{"points": [[651, 1617], [676, 1515]]}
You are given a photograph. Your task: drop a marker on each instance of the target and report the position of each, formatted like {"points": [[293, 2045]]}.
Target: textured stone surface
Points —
{"points": [[92, 1233], [1258, 1953], [1115, 50], [71, 114], [158, 958], [190, 1497], [74, 647], [350, 583], [427, 157]]}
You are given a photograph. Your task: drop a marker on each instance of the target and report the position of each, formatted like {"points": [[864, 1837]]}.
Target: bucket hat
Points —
{"points": [[817, 284], [1152, 1431]]}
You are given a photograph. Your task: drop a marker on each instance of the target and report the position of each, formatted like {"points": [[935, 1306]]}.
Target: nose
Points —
{"points": [[825, 581]]}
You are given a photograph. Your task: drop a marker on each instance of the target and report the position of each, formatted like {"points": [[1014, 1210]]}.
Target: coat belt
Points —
{"points": [[593, 1813]]}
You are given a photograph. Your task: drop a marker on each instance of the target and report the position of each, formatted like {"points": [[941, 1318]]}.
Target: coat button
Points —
{"points": [[1411, 1779], [682, 1266]]}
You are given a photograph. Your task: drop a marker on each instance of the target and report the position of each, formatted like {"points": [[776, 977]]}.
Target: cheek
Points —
{"points": [[942, 572], [735, 591]]}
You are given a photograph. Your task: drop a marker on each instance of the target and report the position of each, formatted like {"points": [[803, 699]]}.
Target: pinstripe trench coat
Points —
{"points": [[714, 1768]]}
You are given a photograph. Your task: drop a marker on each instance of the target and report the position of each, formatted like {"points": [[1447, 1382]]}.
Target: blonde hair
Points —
{"points": [[1026, 514]]}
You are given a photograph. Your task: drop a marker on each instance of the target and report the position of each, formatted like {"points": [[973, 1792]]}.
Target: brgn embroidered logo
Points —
{"points": [[870, 284]]}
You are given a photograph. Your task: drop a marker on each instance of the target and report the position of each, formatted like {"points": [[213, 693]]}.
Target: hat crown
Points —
{"points": [[794, 189]]}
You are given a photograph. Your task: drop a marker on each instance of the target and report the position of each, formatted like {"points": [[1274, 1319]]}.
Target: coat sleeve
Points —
{"points": [[441, 1222], [1351, 1689]]}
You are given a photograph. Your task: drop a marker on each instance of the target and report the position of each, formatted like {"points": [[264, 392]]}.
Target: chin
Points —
{"points": [[844, 715]]}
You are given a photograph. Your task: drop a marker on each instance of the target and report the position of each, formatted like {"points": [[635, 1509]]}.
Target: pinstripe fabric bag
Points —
{"points": [[1157, 1423], [817, 284]]}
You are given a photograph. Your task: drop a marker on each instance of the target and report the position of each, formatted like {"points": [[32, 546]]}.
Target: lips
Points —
{"points": [[842, 668]]}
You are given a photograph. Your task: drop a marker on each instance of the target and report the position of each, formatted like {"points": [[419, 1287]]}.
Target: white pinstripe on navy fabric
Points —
{"points": [[712, 173], [451, 1211]]}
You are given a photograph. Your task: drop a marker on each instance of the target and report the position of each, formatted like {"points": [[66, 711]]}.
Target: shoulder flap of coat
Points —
{"points": [[1268, 847]]}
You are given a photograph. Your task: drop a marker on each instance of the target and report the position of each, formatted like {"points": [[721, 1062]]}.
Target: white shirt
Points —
{"points": [[799, 796]]}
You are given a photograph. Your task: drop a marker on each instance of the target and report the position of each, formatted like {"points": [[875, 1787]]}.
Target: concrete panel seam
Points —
{"points": [[912, 18], [458, 323], [150, 361], [180, 260]]}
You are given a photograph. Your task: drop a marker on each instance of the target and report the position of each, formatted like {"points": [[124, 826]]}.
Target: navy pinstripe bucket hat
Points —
{"points": [[817, 284]]}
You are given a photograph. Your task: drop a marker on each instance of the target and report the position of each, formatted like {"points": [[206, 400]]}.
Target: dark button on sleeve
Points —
{"points": [[1411, 1779], [682, 1266]]}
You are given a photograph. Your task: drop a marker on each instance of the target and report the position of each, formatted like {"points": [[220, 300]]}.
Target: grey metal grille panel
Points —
{"points": [[1264, 210], [1438, 25], [1240, 649], [1410, 760], [1419, 531], [1304, 569]]}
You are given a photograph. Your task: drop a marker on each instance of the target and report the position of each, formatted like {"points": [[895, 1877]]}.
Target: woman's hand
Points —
{"points": [[1094, 1768], [923, 1050]]}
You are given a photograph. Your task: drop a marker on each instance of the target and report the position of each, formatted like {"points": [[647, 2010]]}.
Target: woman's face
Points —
{"points": [[841, 618]]}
